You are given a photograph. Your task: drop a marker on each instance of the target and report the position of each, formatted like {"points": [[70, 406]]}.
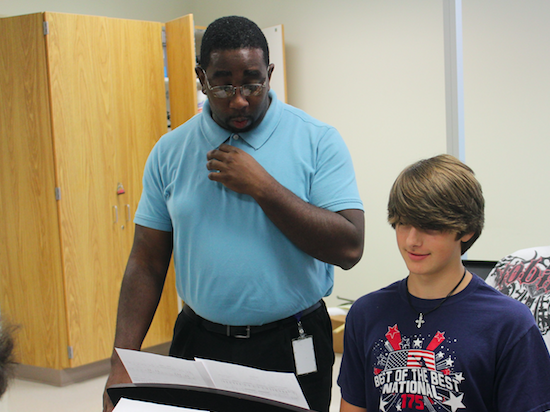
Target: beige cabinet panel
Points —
{"points": [[84, 105], [181, 62], [83, 101], [31, 276]]}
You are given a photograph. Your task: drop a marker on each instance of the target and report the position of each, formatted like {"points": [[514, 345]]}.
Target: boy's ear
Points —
{"points": [[466, 237]]}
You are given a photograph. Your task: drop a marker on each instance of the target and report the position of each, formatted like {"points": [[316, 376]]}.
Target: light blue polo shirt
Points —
{"points": [[233, 265]]}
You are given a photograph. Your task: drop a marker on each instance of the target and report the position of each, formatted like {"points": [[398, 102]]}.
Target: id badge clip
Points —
{"points": [[304, 353]]}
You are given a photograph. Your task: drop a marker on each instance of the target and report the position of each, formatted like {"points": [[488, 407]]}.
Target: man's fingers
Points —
{"points": [[220, 152], [213, 165]]}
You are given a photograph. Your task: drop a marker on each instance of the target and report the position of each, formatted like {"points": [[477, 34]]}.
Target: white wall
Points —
{"points": [[507, 107], [375, 70]]}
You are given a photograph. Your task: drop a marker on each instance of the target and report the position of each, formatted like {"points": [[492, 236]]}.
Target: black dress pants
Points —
{"points": [[268, 350]]}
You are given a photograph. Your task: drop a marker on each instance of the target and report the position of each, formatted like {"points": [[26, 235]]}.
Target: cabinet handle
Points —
{"points": [[116, 213], [127, 213]]}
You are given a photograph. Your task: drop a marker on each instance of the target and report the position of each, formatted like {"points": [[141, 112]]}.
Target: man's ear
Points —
{"points": [[200, 75], [269, 73]]}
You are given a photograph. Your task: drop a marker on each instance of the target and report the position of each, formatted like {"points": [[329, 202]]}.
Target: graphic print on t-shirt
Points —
{"points": [[417, 372], [525, 276]]}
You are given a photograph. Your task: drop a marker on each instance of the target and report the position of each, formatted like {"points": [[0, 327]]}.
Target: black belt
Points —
{"points": [[243, 331]]}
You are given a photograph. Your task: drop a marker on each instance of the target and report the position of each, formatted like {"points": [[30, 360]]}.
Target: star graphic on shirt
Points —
{"points": [[406, 343], [417, 343], [449, 361], [455, 402], [383, 405], [398, 407], [439, 337], [440, 355], [392, 331], [459, 378]]}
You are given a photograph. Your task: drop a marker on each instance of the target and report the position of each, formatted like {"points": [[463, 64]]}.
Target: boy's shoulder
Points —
{"points": [[492, 304], [382, 293], [377, 300]]}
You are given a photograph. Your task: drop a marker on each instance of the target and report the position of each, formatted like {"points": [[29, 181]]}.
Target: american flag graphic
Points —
{"points": [[411, 358]]}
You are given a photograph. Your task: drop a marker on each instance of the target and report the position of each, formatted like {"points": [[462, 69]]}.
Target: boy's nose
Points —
{"points": [[414, 237]]}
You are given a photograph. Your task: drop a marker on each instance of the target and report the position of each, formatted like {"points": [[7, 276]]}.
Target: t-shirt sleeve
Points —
{"points": [[352, 370], [523, 375], [334, 186], [152, 211]]}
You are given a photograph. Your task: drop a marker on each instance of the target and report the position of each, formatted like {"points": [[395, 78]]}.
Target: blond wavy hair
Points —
{"points": [[439, 193]]}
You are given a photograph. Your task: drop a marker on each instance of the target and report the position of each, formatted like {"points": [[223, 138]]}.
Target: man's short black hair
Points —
{"points": [[232, 33]]}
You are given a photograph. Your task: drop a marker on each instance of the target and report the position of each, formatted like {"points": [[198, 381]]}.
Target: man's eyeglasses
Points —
{"points": [[223, 92]]}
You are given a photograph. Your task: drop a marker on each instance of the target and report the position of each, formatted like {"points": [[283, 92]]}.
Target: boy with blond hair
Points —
{"points": [[441, 339]]}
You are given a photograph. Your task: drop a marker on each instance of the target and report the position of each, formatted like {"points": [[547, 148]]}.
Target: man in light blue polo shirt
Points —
{"points": [[257, 200]]}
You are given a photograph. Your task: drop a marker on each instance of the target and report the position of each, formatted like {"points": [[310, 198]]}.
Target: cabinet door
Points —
{"points": [[181, 62], [140, 98], [83, 118], [31, 282], [108, 110]]}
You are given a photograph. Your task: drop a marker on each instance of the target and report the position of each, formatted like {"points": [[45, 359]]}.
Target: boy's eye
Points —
{"points": [[434, 232]]}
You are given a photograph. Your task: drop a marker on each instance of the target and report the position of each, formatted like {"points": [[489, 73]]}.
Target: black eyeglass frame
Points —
{"points": [[228, 90]]}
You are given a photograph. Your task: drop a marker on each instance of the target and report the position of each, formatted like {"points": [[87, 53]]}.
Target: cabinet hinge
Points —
{"points": [[57, 193], [70, 352], [46, 28], [163, 36]]}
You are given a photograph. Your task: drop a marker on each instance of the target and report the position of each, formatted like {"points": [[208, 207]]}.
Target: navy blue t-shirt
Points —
{"points": [[480, 351]]}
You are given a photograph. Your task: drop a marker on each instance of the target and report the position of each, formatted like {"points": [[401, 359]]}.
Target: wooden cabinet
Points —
{"points": [[82, 103]]}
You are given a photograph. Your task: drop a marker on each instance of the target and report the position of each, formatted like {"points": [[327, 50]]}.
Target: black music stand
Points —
{"points": [[194, 397]]}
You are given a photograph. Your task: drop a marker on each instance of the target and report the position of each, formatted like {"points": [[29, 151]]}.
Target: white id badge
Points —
{"points": [[304, 355]]}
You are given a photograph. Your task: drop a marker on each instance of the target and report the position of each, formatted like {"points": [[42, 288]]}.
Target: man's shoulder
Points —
{"points": [[190, 126], [292, 113], [178, 136]]}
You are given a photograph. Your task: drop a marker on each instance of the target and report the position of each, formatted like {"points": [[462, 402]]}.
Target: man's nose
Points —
{"points": [[238, 101]]}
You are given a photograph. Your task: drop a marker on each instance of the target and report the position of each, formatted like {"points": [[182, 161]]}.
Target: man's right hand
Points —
{"points": [[139, 296], [118, 375]]}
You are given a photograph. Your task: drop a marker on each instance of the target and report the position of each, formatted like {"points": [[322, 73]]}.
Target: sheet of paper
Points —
{"points": [[144, 367], [129, 405], [278, 386]]}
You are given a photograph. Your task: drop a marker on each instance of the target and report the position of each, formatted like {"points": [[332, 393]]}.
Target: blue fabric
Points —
{"points": [[480, 351], [233, 266]]}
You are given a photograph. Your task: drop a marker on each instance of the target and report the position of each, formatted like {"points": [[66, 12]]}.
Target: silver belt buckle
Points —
{"points": [[239, 336]]}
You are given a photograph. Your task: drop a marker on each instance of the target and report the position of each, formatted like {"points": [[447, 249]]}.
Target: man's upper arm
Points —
{"points": [[152, 248]]}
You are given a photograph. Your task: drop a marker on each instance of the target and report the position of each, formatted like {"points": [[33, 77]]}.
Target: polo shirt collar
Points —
{"points": [[256, 138]]}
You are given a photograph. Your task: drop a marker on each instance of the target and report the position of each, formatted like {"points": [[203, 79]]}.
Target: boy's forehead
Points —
{"points": [[422, 224]]}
